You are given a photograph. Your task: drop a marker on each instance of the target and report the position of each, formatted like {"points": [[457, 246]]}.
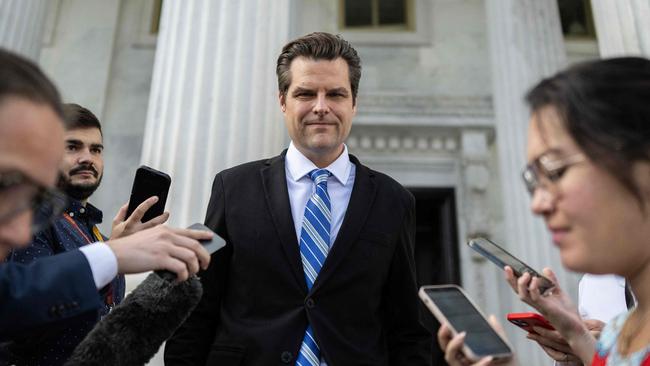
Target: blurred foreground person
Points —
{"points": [[589, 177], [61, 287], [80, 173]]}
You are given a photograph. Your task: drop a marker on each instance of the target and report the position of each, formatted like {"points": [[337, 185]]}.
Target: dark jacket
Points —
{"points": [[363, 306]]}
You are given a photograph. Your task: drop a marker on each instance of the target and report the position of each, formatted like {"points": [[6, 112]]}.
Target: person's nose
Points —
{"points": [[85, 156], [321, 106], [541, 201]]}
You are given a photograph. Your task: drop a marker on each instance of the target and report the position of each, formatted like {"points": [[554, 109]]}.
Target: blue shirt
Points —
{"points": [[55, 345]]}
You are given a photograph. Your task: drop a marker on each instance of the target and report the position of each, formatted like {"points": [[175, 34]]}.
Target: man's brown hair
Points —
{"points": [[20, 77], [76, 116], [318, 46]]}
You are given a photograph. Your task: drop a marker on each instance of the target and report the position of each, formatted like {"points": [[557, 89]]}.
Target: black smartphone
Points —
{"points": [[451, 306], [502, 258], [149, 182]]}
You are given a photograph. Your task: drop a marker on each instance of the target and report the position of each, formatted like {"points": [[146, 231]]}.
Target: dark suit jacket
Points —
{"points": [[363, 306], [45, 292]]}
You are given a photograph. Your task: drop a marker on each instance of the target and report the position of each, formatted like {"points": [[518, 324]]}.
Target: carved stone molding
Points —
{"points": [[419, 104], [476, 179]]}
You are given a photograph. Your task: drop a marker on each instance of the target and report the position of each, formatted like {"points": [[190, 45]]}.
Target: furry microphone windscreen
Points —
{"points": [[133, 332]]}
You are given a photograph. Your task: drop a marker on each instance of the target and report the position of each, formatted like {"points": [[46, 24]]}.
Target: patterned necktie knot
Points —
{"points": [[319, 176]]}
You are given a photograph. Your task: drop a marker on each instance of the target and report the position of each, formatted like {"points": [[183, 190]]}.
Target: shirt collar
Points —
{"points": [[77, 210], [299, 166]]}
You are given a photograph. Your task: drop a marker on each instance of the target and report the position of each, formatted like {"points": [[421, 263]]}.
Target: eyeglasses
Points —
{"points": [[19, 193], [547, 170]]}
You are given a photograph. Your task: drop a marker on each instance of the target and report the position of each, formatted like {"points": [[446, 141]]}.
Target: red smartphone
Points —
{"points": [[527, 321]]}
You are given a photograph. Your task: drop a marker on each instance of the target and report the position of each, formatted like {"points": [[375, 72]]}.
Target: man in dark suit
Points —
{"points": [[319, 268], [60, 287]]}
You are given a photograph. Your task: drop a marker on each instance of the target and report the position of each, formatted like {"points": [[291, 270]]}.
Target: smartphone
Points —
{"points": [[527, 321], [211, 246], [502, 258], [451, 306], [149, 182]]}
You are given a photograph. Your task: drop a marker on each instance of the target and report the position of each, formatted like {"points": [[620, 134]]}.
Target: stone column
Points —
{"points": [[623, 27], [480, 276], [22, 23], [214, 100], [526, 44]]}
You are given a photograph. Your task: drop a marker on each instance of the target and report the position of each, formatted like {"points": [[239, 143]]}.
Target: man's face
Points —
{"points": [[82, 166], [318, 108], [31, 143]]}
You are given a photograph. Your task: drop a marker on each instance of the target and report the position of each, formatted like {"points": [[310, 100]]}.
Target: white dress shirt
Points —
{"points": [[102, 261], [301, 187], [601, 297]]}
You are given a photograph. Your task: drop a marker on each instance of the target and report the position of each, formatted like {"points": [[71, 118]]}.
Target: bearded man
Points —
{"points": [[80, 174]]}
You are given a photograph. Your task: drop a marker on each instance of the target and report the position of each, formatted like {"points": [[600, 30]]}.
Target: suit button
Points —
{"points": [[286, 357], [310, 303]]}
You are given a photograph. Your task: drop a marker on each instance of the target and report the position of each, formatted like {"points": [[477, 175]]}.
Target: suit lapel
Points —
{"points": [[277, 197], [363, 195]]}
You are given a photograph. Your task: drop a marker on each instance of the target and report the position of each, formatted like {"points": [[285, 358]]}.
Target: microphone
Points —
{"points": [[133, 331]]}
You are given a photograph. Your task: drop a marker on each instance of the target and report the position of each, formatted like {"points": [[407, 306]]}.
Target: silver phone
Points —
{"points": [[502, 258], [451, 306]]}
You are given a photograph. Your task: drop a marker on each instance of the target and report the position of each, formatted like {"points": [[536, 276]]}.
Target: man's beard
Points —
{"points": [[79, 191]]}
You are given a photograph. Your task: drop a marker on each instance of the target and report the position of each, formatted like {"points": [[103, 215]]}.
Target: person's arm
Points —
{"points": [[65, 285], [409, 343], [557, 347], [48, 290], [556, 306], [191, 343], [40, 247]]}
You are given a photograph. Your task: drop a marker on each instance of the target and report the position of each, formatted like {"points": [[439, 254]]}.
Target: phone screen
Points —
{"points": [[464, 317], [149, 182], [502, 258]]}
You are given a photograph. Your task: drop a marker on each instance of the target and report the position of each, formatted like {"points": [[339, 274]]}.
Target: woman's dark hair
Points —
{"points": [[318, 46], [20, 77], [605, 107]]}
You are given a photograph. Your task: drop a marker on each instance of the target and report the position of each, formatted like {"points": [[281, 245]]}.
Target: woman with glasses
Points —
{"points": [[589, 178]]}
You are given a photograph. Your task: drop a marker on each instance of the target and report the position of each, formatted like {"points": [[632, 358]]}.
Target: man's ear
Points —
{"points": [[283, 99]]}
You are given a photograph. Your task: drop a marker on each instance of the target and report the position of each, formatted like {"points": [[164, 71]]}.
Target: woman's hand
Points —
{"points": [[554, 345], [453, 347], [556, 306]]}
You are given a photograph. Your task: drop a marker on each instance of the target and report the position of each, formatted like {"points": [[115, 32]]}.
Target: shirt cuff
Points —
{"points": [[102, 261]]}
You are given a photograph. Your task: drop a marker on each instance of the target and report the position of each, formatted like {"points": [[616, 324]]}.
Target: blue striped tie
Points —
{"points": [[314, 245]]}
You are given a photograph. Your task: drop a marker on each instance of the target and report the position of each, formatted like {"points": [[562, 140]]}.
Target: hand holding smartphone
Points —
{"points": [[451, 306], [211, 246], [149, 182], [502, 258]]}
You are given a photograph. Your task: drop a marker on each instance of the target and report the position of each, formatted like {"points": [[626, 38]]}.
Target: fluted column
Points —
{"points": [[22, 23], [623, 27], [213, 101], [526, 44]]}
